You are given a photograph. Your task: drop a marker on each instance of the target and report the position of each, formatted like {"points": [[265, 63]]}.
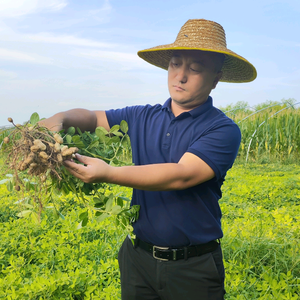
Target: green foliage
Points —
{"points": [[261, 215], [270, 130], [106, 145], [54, 257], [243, 107], [55, 260], [34, 118], [238, 107]]}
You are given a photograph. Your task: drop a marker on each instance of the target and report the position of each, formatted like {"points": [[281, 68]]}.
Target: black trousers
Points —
{"points": [[145, 278]]}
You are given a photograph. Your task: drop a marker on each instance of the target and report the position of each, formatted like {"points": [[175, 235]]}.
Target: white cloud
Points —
{"points": [[7, 34], [7, 74], [7, 54], [16, 8], [53, 4], [116, 56], [15, 55], [98, 13], [64, 40], [127, 60]]}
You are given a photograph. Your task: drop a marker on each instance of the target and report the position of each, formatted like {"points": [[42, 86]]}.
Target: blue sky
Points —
{"points": [[61, 54]]}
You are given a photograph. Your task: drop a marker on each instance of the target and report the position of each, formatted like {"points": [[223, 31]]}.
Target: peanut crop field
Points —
{"points": [[67, 251]]}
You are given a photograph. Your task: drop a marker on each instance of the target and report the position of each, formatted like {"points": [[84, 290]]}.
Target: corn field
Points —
{"points": [[270, 131]]}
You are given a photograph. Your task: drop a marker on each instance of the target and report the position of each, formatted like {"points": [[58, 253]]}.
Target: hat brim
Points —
{"points": [[235, 68]]}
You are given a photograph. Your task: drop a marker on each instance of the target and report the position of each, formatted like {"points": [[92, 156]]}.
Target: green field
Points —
{"points": [[52, 259]]}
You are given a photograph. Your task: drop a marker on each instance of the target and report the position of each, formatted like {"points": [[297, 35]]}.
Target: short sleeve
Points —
{"points": [[218, 147], [128, 114]]}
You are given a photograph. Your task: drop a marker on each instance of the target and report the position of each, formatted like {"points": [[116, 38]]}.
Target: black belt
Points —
{"points": [[166, 253]]}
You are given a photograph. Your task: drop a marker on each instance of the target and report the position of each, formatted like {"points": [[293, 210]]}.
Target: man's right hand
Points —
{"points": [[86, 120]]}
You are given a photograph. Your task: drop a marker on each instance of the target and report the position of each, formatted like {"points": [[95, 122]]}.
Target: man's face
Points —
{"points": [[192, 74]]}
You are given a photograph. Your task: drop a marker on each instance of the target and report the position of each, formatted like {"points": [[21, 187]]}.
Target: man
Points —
{"points": [[181, 151]]}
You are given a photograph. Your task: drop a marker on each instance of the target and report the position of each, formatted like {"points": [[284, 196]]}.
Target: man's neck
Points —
{"points": [[178, 110]]}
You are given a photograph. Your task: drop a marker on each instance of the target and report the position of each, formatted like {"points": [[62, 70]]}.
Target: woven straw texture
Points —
{"points": [[204, 35]]}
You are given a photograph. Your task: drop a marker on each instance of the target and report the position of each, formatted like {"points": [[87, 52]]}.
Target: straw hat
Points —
{"points": [[200, 34]]}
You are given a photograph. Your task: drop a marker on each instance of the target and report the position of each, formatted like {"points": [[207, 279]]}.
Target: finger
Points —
{"points": [[68, 163], [77, 171], [73, 168], [83, 159]]}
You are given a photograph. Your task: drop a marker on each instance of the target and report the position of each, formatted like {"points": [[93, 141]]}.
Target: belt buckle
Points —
{"points": [[159, 248]]}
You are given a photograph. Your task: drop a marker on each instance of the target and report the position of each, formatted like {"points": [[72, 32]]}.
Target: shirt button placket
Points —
{"points": [[168, 136]]}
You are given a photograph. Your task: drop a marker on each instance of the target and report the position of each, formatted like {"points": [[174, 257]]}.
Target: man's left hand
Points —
{"points": [[93, 169]]}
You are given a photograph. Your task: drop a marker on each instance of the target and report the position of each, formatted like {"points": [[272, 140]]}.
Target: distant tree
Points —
{"points": [[240, 106], [243, 106], [276, 104]]}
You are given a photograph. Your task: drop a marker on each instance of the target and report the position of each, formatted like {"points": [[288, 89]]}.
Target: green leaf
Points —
{"points": [[87, 134], [55, 214], [119, 134], [34, 118], [101, 129], [24, 213], [65, 189], [109, 203], [115, 139], [124, 142], [3, 181], [61, 215], [116, 210], [135, 208], [9, 186], [124, 221], [83, 215], [21, 200], [84, 222], [79, 131], [98, 199], [79, 226], [101, 132], [125, 199], [120, 201], [71, 131], [69, 139], [35, 217], [27, 186], [115, 128], [28, 205], [71, 185], [99, 205], [98, 202], [124, 126], [77, 141], [102, 217], [94, 144], [108, 142]]}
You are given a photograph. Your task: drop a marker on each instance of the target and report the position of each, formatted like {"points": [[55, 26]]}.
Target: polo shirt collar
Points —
{"points": [[196, 111]]}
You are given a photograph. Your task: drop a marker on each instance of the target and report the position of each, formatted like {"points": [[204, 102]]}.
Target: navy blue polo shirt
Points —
{"points": [[185, 217]]}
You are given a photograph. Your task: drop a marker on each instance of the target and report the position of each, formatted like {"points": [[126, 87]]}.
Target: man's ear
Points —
{"points": [[217, 79]]}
